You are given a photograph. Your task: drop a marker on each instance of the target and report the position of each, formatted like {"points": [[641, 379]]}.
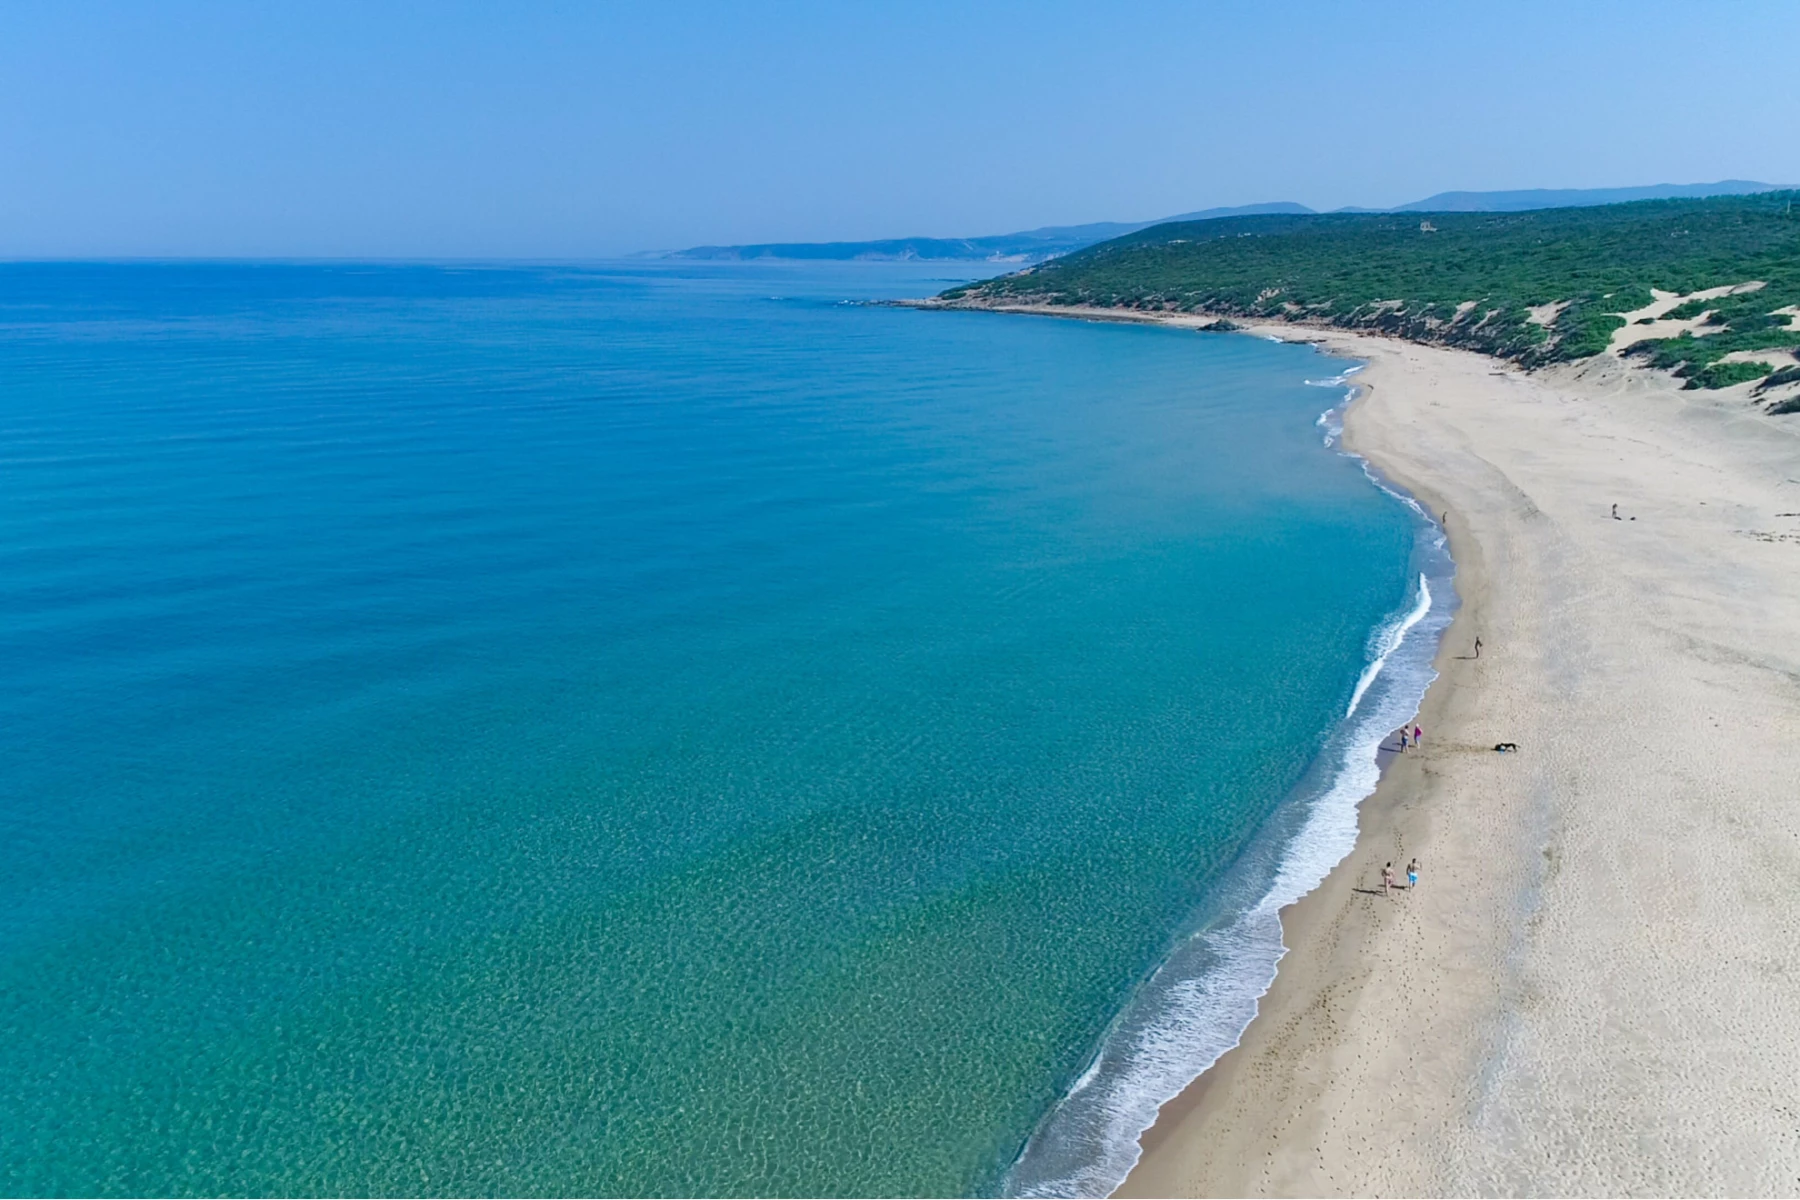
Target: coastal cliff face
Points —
{"points": [[1707, 289]]}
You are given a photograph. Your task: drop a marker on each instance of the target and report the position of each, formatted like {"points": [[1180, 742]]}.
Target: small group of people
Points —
{"points": [[1387, 878], [1415, 734]]}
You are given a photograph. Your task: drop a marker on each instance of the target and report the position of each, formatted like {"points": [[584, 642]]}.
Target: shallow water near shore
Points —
{"points": [[640, 729], [1199, 1001]]}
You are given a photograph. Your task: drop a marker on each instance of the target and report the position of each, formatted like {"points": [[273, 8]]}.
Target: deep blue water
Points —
{"points": [[629, 728]]}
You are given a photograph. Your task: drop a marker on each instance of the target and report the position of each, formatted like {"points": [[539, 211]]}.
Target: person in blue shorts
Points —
{"points": [[1412, 874]]}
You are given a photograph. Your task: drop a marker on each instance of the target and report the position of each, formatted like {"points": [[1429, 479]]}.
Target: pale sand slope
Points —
{"points": [[1596, 988]]}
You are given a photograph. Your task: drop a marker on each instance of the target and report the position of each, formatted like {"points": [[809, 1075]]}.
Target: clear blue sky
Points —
{"points": [[578, 130]]}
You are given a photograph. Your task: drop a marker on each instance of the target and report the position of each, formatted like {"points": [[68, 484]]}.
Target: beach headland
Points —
{"points": [[1593, 988]]}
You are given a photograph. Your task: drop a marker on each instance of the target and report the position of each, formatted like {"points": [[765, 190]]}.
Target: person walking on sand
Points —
{"points": [[1417, 734], [1403, 739], [1615, 512], [1477, 645], [1412, 874], [1387, 881]]}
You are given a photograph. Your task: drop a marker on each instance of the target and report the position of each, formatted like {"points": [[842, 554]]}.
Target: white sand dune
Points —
{"points": [[1774, 358], [1649, 322]]}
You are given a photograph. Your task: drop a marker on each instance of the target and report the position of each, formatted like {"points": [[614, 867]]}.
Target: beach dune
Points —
{"points": [[1595, 988]]}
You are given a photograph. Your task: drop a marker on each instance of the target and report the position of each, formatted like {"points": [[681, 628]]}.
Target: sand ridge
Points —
{"points": [[1651, 321], [1596, 987]]}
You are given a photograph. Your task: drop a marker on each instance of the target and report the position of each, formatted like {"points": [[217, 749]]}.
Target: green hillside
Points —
{"points": [[1462, 279]]}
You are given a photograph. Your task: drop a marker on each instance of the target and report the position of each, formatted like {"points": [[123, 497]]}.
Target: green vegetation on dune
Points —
{"points": [[1532, 287]]}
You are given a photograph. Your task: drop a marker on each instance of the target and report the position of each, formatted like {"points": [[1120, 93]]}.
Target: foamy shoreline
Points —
{"points": [[1166, 1147], [1200, 1001]]}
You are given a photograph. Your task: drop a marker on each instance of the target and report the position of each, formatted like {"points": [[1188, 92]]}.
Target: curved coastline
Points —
{"points": [[1372, 817], [1195, 1008], [1578, 1001]]}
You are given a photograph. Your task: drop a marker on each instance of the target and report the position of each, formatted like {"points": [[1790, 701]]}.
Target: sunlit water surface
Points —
{"points": [[628, 729]]}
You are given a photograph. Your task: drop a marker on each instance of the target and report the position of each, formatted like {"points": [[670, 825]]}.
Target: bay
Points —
{"points": [[625, 728]]}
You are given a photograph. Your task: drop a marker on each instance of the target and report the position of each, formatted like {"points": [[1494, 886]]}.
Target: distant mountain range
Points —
{"points": [[1034, 245], [1052, 241]]}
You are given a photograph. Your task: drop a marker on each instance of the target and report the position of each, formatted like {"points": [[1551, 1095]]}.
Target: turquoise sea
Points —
{"points": [[653, 729]]}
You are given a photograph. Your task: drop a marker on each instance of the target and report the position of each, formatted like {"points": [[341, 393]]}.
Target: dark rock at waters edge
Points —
{"points": [[1222, 325]]}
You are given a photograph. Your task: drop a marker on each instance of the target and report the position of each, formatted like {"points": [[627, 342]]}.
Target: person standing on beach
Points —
{"points": [[1412, 874], [1387, 881], [1403, 739], [1417, 734], [1478, 646]]}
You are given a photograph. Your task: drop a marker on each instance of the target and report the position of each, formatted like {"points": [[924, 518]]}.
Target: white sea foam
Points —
{"points": [[1338, 380], [1198, 1003], [1391, 638], [1332, 422]]}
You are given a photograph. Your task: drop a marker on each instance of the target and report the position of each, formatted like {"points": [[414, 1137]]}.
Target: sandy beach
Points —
{"points": [[1595, 988]]}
